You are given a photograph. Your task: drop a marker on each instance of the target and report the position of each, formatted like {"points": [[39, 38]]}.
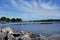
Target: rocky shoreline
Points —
{"points": [[11, 34]]}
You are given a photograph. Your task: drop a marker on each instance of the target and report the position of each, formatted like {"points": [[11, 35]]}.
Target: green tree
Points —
{"points": [[13, 20], [7, 19], [18, 19], [3, 19]]}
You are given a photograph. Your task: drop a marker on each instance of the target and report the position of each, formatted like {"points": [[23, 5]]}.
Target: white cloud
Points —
{"points": [[34, 10], [14, 4], [33, 6], [48, 6], [21, 7], [26, 3]]}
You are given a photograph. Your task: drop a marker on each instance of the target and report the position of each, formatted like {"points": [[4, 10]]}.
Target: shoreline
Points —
{"points": [[11, 34]]}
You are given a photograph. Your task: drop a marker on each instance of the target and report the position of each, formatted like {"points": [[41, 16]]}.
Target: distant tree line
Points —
{"points": [[5, 19], [47, 20]]}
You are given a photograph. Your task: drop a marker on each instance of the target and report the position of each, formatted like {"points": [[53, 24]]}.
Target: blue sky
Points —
{"points": [[30, 9]]}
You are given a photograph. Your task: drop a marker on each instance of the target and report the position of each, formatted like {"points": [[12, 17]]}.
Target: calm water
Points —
{"points": [[45, 29]]}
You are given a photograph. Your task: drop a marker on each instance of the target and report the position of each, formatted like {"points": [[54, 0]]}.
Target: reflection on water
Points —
{"points": [[46, 29]]}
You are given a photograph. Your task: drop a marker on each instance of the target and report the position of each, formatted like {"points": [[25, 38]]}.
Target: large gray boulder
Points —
{"points": [[2, 35], [4, 30], [26, 37]]}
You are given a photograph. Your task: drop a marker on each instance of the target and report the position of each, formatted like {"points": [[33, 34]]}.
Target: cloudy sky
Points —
{"points": [[30, 9]]}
